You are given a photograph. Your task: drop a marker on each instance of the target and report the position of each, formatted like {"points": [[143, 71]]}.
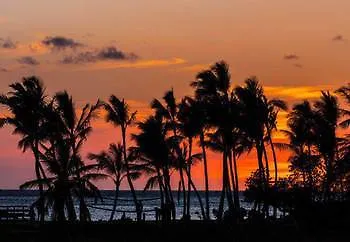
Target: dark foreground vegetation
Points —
{"points": [[218, 117], [187, 231]]}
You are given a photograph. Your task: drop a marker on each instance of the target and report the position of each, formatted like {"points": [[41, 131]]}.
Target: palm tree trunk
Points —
{"points": [[183, 192], [236, 189], [116, 194], [70, 208], [259, 149], [266, 205], [39, 177], [168, 194], [197, 194], [273, 155], [266, 166], [260, 163], [206, 178], [232, 176], [189, 164], [161, 191], [223, 189], [131, 185], [275, 166], [172, 202], [227, 182]]}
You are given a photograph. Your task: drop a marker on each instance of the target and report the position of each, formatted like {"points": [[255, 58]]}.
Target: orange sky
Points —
{"points": [[295, 48]]}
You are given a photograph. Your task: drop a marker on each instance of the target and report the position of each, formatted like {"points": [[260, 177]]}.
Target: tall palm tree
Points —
{"points": [[327, 117], [154, 152], [118, 113], [302, 138], [213, 90], [273, 107], [75, 130], [26, 102], [168, 111], [253, 120], [114, 166], [192, 124]]}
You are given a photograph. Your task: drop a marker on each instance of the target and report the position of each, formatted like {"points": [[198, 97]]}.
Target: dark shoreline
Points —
{"points": [[175, 231]]}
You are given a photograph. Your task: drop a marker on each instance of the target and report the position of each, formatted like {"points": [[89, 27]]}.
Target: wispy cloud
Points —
{"points": [[107, 53], [28, 60], [296, 93], [60, 42], [196, 67], [297, 65], [291, 57], [135, 64]]}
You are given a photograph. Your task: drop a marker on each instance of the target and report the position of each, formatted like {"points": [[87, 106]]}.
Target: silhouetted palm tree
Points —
{"points": [[154, 153], [190, 127], [302, 138], [26, 102], [62, 182], [253, 122], [75, 130], [168, 112], [327, 116], [114, 166], [344, 91], [213, 90], [118, 113]]}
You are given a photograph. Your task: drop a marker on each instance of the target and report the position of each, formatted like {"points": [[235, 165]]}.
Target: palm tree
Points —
{"points": [[74, 130], [118, 113], [344, 92], [114, 166], [154, 153], [273, 107], [26, 102], [192, 124], [302, 138], [213, 90], [327, 116], [62, 182], [168, 112], [253, 120]]}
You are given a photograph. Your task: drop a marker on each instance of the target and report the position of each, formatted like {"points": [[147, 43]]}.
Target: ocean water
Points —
{"points": [[100, 209]]}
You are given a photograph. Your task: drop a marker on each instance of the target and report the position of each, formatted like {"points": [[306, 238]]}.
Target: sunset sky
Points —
{"points": [[139, 49]]}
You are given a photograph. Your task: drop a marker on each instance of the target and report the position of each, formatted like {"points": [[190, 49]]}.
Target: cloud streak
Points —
{"points": [[28, 60], [60, 43], [295, 93], [108, 53], [139, 64], [291, 57], [196, 67], [339, 38]]}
